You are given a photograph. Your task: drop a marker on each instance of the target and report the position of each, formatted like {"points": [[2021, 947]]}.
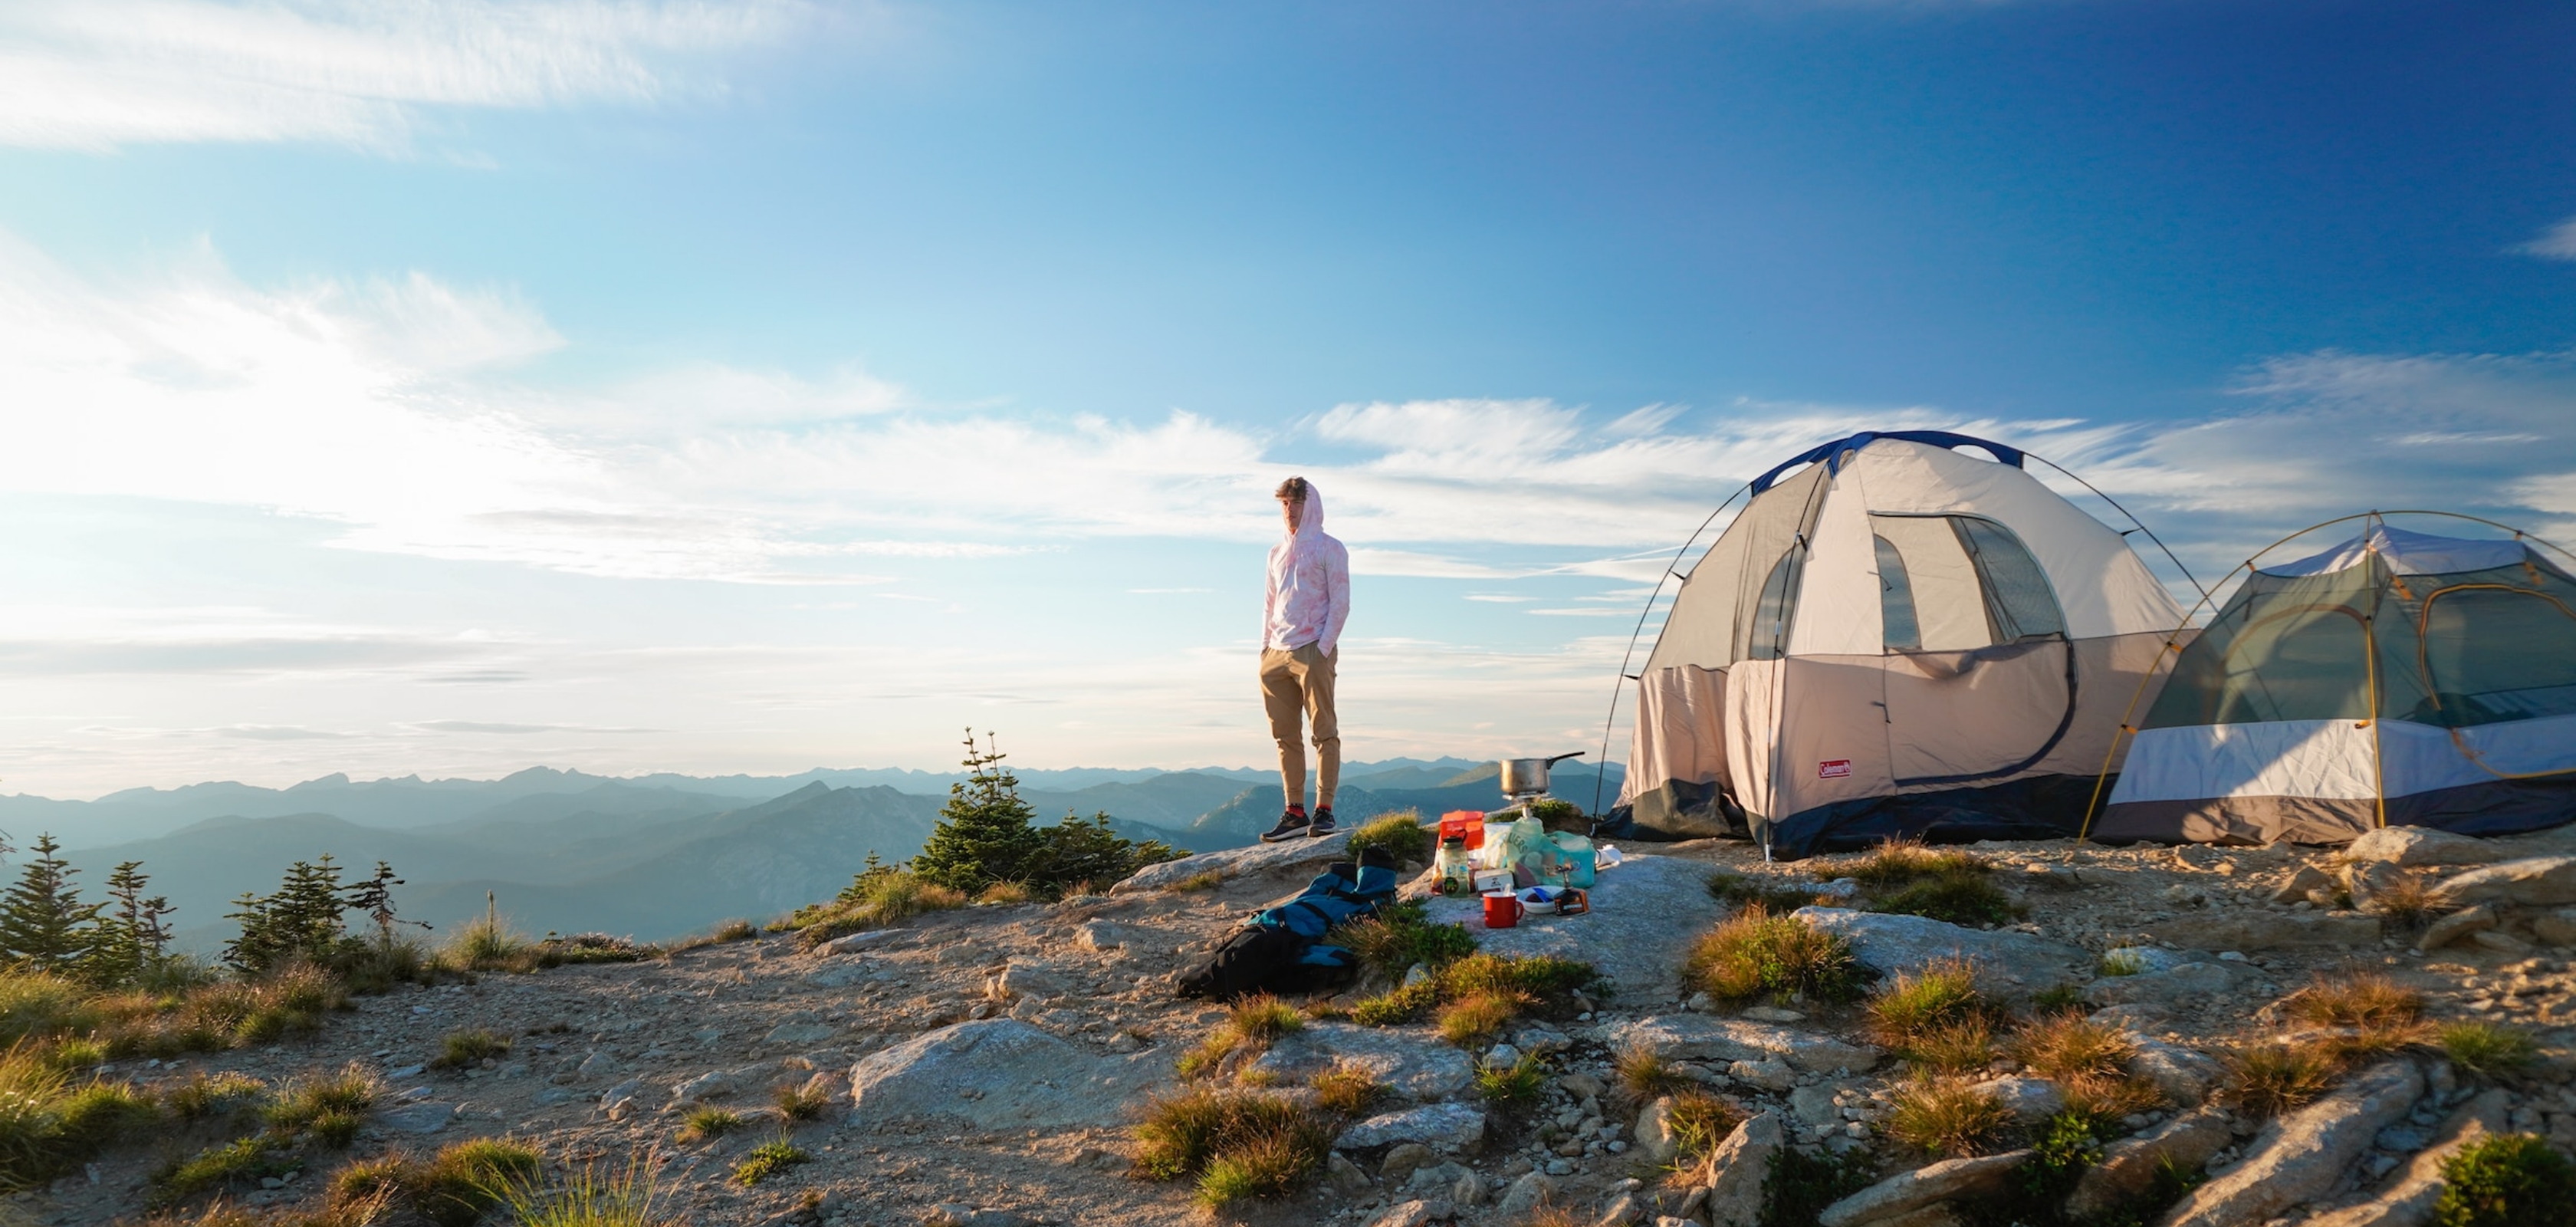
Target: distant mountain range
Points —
{"points": [[654, 856]]}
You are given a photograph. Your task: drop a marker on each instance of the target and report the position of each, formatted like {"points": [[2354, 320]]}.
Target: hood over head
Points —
{"points": [[1310, 522]]}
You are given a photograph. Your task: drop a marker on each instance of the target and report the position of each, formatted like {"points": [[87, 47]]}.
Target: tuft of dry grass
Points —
{"points": [[706, 1124], [1474, 1020], [1754, 954], [2108, 1097], [802, 1104], [2269, 1079], [1347, 1089], [1004, 894], [1251, 1024], [1947, 1117], [1958, 1047], [1915, 1003], [463, 1049], [588, 1198], [1269, 1163], [1899, 862], [1699, 1121], [2379, 1014], [1646, 1074], [880, 898], [2067, 1047], [2407, 902], [1262, 1018], [2368, 1000], [1238, 1144], [1209, 880]]}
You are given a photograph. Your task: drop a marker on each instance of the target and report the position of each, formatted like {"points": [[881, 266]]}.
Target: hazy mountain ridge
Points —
{"points": [[572, 852], [410, 801]]}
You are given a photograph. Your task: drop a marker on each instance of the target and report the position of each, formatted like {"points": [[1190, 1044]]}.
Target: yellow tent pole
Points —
{"points": [[2370, 669]]}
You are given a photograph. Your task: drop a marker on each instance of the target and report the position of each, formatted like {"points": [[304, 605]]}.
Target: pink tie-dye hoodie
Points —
{"points": [[1310, 585]]}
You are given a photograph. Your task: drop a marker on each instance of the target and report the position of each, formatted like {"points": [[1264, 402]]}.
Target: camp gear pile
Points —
{"points": [[1281, 949]]}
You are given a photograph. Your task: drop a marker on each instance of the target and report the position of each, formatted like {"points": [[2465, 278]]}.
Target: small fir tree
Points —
{"points": [[1079, 850], [300, 923], [375, 898], [984, 834], [133, 936], [43, 923]]}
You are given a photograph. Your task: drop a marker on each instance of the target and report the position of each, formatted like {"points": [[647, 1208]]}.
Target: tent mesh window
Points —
{"points": [[1952, 583], [2454, 650], [1896, 599], [2019, 603]]}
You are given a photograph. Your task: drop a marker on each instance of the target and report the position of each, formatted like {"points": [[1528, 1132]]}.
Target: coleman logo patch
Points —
{"points": [[1833, 769]]}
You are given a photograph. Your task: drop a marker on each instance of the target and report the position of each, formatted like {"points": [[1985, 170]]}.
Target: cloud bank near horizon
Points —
{"points": [[409, 417]]}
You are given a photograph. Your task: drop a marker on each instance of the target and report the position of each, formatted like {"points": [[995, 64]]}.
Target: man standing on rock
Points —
{"points": [[1301, 625]]}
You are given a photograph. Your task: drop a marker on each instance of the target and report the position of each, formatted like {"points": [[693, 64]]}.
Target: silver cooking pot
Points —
{"points": [[1523, 776]]}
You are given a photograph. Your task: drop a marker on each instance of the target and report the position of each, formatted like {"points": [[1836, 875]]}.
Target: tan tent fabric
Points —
{"points": [[1848, 719]]}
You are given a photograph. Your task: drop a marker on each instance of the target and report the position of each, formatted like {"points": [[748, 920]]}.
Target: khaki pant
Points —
{"points": [[1299, 682]]}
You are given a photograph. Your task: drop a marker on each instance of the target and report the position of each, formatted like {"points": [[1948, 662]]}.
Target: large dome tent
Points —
{"points": [[1894, 637], [2396, 678]]}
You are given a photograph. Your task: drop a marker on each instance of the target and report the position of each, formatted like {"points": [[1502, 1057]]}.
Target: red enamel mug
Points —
{"points": [[1502, 911]]}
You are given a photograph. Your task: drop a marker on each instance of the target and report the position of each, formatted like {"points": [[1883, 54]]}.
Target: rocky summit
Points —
{"points": [[990, 1064]]}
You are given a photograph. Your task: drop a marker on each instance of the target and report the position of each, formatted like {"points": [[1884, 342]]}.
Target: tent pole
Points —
{"points": [[1601, 774], [2370, 661], [2133, 519]]}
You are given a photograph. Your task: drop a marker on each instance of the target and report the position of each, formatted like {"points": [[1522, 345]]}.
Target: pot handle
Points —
{"points": [[1562, 757]]}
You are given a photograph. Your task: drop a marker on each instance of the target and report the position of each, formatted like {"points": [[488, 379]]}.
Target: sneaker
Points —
{"points": [[1290, 824], [1323, 824]]}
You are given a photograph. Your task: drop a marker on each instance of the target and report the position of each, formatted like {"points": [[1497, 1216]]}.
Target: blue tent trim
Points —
{"points": [[1832, 453]]}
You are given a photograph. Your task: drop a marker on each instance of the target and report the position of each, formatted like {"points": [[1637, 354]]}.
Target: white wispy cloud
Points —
{"points": [[2332, 433], [2556, 243], [98, 74], [390, 408]]}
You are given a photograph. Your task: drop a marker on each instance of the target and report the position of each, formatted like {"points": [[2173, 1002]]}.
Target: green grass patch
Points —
{"points": [[769, 1160], [1519, 1082], [2488, 1050], [1959, 900], [880, 898], [1402, 935], [1539, 984], [1398, 1005], [1401, 834], [466, 1049], [238, 1162], [348, 1093]]}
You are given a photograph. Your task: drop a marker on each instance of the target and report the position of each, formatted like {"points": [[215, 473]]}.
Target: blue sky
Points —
{"points": [[451, 387]]}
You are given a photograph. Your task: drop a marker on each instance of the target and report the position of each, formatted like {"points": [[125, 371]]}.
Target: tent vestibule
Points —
{"points": [[1897, 639]]}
